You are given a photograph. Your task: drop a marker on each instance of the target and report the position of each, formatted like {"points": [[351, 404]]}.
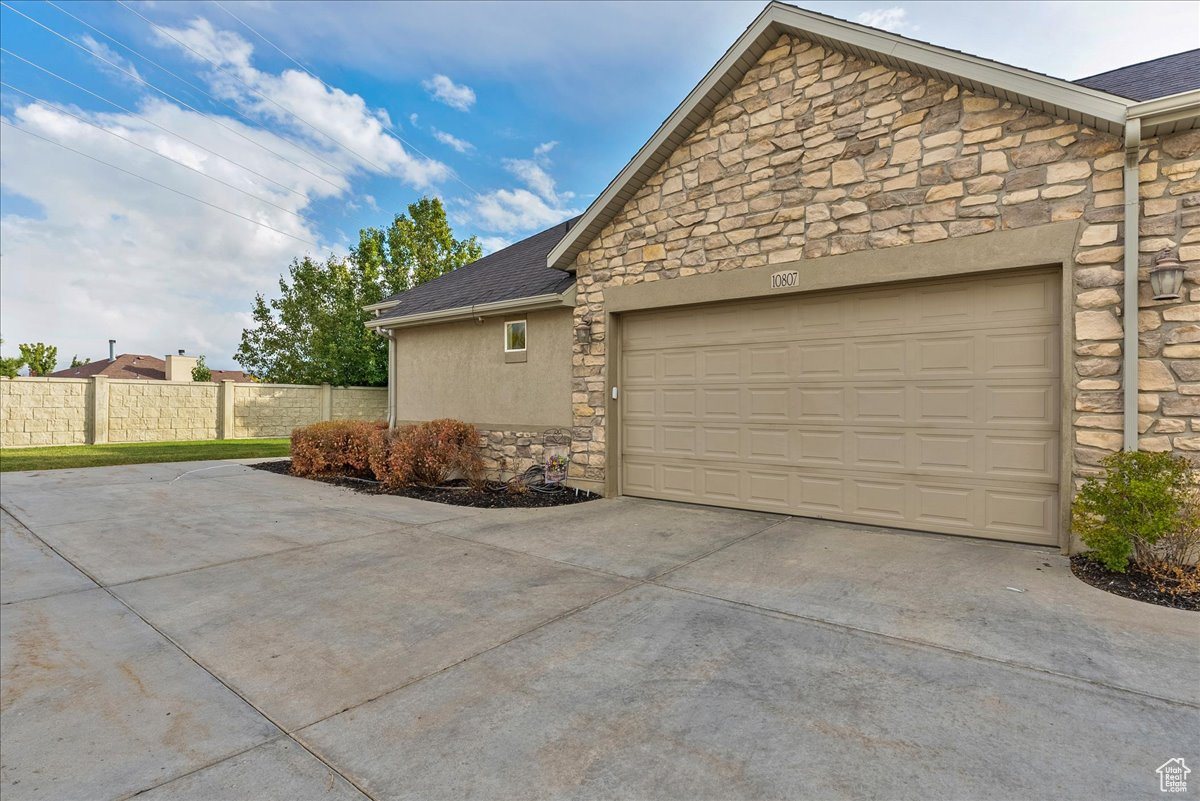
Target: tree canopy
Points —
{"points": [[315, 331], [39, 357]]}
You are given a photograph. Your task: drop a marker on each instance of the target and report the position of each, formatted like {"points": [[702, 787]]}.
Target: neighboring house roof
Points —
{"points": [[129, 366], [1152, 79], [1061, 99], [517, 271]]}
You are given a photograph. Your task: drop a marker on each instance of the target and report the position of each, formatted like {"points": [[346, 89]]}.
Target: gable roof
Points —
{"points": [[517, 271], [1150, 80], [130, 366], [1054, 96]]}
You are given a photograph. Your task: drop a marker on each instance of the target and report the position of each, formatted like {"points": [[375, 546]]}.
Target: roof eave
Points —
{"points": [[1061, 98], [564, 299], [1167, 115]]}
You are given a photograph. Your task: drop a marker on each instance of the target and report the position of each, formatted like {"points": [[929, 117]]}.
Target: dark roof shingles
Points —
{"points": [[517, 271], [1152, 79]]}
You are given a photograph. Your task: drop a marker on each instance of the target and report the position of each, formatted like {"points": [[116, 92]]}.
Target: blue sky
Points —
{"points": [[516, 114]]}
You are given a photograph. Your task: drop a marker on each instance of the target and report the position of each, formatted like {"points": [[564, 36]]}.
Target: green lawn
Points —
{"points": [[138, 453]]}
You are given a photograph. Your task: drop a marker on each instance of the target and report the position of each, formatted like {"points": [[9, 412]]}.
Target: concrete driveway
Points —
{"points": [[207, 631]]}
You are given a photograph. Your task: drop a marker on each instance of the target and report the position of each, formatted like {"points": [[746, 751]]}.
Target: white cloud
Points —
{"points": [[893, 19], [538, 204], [342, 126], [544, 148], [412, 119], [491, 244], [461, 145], [454, 95], [108, 255], [124, 69]]}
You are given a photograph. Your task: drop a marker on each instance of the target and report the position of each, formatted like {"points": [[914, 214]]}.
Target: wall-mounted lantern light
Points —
{"points": [[1166, 276], [583, 330]]}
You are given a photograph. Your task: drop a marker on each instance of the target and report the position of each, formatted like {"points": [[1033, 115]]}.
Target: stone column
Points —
{"points": [[225, 409], [98, 411]]}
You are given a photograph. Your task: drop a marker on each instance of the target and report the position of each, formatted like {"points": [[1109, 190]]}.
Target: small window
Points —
{"points": [[514, 336]]}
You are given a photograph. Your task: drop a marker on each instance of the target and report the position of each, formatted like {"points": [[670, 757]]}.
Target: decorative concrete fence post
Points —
{"points": [[97, 423], [326, 402], [225, 405]]}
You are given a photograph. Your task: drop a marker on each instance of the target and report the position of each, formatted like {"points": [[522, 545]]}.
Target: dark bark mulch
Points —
{"points": [[496, 496], [1135, 583]]}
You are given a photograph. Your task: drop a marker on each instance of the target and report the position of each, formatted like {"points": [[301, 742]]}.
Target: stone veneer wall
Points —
{"points": [[161, 411], [817, 153], [1169, 331], [43, 411]]}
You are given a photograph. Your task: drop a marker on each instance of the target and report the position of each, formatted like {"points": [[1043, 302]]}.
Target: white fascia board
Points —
{"points": [[605, 198], [777, 18], [532, 303], [1166, 110], [374, 307], [1049, 90]]}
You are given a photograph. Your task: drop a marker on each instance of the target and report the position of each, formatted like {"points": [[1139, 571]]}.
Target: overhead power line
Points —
{"points": [[391, 131], [151, 61], [151, 181], [85, 121], [250, 88], [172, 97], [148, 121]]}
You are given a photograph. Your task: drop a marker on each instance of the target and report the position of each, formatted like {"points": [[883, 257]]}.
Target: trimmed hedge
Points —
{"points": [[335, 447], [425, 455]]}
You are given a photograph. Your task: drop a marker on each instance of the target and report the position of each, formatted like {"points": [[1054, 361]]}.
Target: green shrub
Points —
{"points": [[335, 447], [1144, 508], [427, 455]]}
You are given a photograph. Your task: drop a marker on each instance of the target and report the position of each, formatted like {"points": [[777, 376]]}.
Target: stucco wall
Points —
{"points": [[161, 411], [459, 370], [817, 154], [273, 410], [43, 411]]}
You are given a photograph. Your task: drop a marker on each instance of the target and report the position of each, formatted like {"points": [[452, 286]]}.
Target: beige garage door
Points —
{"points": [[931, 406]]}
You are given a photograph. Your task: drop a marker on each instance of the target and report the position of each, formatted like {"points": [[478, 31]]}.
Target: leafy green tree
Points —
{"points": [[200, 371], [78, 362], [415, 248], [315, 333], [10, 365], [40, 357]]}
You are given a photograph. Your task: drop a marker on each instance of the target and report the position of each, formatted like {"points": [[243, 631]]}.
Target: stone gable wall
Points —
{"points": [[817, 153]]}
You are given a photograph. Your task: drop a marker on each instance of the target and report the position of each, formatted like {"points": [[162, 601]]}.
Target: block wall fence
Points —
{"points": [[83, 411]]}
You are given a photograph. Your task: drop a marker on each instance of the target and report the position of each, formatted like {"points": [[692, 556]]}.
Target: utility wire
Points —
{"points": [[387, 126], [28, 132], [163, 92], [148, 121], [85, 121], [239, 79], [151, 61]]}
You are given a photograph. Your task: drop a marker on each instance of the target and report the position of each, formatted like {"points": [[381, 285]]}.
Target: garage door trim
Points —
{"points": [[615, 363]]}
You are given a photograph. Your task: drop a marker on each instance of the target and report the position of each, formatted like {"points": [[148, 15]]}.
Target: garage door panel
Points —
{"points": [[1027, 353], [930, 406]]}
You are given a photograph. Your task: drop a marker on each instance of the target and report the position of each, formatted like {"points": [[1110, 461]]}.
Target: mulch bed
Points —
{"points": [[1135, 583], [495, 496]]}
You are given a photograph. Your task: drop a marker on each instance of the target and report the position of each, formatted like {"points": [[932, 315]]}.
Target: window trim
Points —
{"points": [[507, 324]]}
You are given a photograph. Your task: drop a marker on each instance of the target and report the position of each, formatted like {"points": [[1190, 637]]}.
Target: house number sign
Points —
{"points": [[787, 279]]}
